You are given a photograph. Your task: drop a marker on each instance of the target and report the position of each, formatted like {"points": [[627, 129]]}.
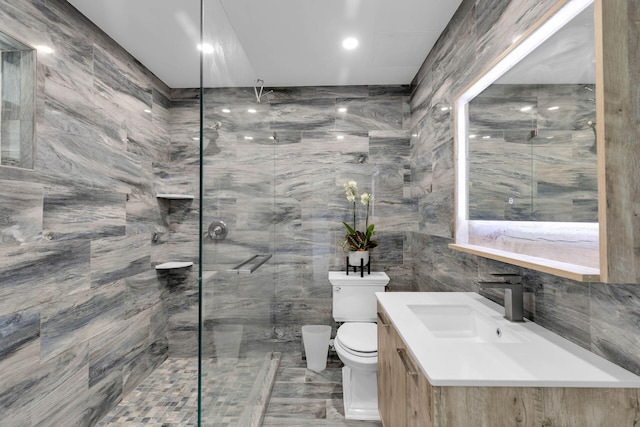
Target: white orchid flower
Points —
{"points": [[366, 198]]}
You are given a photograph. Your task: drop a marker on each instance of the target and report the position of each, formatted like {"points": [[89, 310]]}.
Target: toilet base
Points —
{"points": [[360, 391]]}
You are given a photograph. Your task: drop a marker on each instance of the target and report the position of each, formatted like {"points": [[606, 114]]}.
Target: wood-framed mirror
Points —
{"points": [[617, 125]]}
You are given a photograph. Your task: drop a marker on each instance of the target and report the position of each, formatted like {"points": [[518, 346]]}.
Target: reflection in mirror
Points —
{"points": [[17, 93], [526, 149], [532, 153]]}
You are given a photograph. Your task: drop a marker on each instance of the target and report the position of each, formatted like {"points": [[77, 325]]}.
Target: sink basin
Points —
{"points": [[462, 323], [463, 339]]}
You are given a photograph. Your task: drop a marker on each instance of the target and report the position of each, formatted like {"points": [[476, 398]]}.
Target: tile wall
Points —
{"points": [[82, 317], [602, 318], [284, 196]]}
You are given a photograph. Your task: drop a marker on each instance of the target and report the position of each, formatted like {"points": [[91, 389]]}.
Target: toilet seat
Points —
{"points": [[358, 339]]}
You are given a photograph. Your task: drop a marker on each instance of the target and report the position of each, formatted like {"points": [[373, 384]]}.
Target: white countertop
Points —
{"points": [[526, 354]]}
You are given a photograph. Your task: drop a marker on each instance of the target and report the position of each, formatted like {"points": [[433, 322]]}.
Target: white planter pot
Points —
{"points": [[356, 256]]}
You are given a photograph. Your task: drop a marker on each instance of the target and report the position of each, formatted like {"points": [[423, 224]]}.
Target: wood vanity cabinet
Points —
{"points": [[405, 397]]}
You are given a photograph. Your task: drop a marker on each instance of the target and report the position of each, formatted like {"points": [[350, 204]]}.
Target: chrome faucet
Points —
{"points": [[513, 295]]}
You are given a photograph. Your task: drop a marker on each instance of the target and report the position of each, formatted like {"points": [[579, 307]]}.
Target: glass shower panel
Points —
{"points": [[237, 266]]}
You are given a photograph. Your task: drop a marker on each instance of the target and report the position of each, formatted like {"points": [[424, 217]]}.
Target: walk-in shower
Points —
{"points": [[238, 354]]}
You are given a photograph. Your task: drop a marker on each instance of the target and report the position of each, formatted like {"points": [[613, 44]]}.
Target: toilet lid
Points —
{"points": [[360, 337]]}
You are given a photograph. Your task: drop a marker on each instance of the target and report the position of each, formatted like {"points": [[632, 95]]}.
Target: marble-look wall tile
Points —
{"points": [[143, 292], [36, 393], [561, 306], [110, 351], [304, 114], [285, 197], [119, 257], [19, 371], [80, 212], [79, 317], [36, 274], [615, 315], [140, 365], [372, 113], [76, 240], [21, 213], [102, 397], [18, 330]]}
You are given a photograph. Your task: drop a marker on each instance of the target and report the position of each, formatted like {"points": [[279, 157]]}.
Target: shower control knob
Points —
{"points": [[217, 230]]}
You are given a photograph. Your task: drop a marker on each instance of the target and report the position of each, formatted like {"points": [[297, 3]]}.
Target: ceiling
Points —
{"points": [[283, 42]]}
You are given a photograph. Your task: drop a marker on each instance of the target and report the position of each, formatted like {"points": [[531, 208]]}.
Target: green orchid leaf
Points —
{"points": [[349, 228]]}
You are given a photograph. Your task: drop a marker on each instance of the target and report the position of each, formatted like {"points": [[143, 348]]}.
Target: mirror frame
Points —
{"points": [[587, 235]]}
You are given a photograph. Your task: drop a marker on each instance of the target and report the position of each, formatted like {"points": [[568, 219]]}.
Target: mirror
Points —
{"points": [[17, 93], [526, 165], [531, 138]]}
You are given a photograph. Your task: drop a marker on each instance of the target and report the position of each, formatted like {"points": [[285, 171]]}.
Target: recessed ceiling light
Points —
{"points": [[252, 110], [206, 48], [525, 109], [342, 110], [195, 138], [472, 136], [226, 110], [553, 108], [248, 137], [350, 43], [486, 137], [147, 111], [340, 137]]}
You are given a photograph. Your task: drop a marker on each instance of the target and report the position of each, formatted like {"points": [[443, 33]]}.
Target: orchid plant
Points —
{"points": [[356, 240]]}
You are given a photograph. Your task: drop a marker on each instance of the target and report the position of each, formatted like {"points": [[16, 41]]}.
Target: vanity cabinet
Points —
{"points": [[405, 397]]}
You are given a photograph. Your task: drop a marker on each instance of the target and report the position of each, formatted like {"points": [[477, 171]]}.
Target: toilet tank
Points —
{"points": [[354, 298]]}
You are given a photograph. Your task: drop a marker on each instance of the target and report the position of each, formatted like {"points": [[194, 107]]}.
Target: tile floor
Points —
{"points": [[305, 398], [168, 397]]}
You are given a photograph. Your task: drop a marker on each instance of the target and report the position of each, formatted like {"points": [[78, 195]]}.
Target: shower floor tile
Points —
{"points": [[169, 396]]}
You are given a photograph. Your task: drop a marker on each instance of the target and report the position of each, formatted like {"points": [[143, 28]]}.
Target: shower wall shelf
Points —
{"points": [[172, 265], [175, 196]]}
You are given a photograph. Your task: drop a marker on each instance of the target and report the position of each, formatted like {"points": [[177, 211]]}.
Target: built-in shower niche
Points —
{"points": [[174, 208], [17, 95]]}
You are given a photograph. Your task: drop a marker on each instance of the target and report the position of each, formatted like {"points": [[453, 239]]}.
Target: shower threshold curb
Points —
{"points": [[253, 415]]}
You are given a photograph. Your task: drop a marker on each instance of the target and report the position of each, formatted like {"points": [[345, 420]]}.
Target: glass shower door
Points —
{"points": [[237, 289]]}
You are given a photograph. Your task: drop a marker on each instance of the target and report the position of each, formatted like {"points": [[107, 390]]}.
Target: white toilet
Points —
{"points": [[356, 342]]}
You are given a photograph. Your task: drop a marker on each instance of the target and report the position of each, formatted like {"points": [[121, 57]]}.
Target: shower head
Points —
{"points": [[259, 93]]}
